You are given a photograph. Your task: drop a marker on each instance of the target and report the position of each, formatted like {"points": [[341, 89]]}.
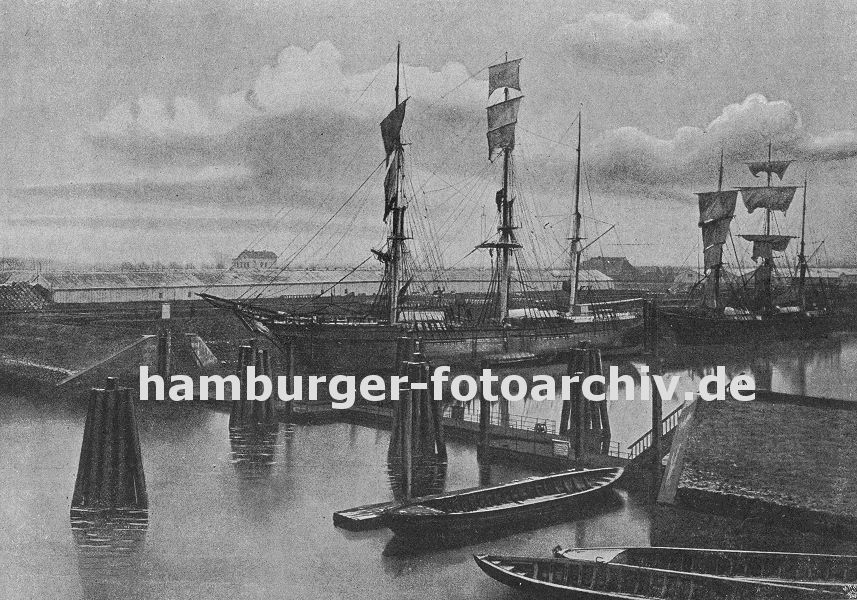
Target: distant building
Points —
{"points": [[255, 259], [615, 267]]}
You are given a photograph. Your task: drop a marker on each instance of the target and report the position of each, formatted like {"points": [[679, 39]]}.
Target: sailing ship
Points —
{"points": [[751, 312], [368, 342]]}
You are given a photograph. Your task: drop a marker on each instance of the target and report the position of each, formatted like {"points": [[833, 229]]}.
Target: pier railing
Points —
{"points": [[511, 421], [645, 441]]}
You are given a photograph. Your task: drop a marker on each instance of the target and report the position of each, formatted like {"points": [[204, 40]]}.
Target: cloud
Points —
{"points": [[618, 42], [301, 118], [309, 82], [628, 155], [133, 181]]}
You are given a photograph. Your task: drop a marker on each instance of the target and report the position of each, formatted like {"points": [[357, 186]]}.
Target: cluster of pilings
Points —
{"points": [[587, 423], [246, 412], [416, 458], [650, 325], [110, 472]]}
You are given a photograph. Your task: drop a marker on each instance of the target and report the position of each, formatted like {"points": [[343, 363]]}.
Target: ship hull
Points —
{"points": [[697, 329], [372, 348]]}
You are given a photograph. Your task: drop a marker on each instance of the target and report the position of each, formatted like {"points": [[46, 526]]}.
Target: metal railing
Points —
{"points": [[511, 421], [645, 441]]}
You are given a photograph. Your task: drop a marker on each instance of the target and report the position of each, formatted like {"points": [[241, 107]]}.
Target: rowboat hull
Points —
{"points": [[583, 580], [469, 514], [832, 571]]}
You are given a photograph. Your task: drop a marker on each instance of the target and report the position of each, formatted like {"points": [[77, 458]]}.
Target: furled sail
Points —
{"points": [[504, 75], [716, 205], [391, 128], [502, 138], [769, 166], [498, 198], [391, 187], [714, 235], [503, 113], [713, 256], [773, 198], [764, 246]]}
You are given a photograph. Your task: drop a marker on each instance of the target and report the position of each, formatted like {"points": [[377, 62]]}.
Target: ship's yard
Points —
{"points": [[657, 274]]}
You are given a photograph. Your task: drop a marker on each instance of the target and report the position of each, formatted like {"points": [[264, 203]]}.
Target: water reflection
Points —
{"points": [[825, 368], [427, 475], [820, 368], [109, 544], [257, 448]]}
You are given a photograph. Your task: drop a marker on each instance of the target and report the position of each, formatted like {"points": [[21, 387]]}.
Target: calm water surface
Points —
{"points": [[240, 518], [251, 516]]}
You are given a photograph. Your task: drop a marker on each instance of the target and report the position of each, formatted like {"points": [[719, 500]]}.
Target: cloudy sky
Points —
{"points": [[180, 130]]}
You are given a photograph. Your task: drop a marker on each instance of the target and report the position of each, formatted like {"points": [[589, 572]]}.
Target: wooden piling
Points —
{"points": [[579, 403], [110, 470], [650, 325], [237, 409], [657, 417], [407, 447], [164, 358], [269, 413], [289, 360], [602, 406], [484, 416], [417, 453]]}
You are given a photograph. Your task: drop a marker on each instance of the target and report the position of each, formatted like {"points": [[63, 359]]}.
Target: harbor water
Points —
{"points": [[250, 516]]}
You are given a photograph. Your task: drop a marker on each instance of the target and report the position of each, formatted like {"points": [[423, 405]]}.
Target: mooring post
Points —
{"points": [[165, 342], [578, 402], [602, 406], [406, 396], [657, 417], [236, 412], [565, 415], [266, 411], [164, 353], [436, 406], [603, 409], [650, 325], [484, 416], [404, 352], [110, 469], [289, 352]]}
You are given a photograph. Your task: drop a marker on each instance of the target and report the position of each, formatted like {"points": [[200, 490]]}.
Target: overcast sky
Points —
{"points": [[177, 130]]}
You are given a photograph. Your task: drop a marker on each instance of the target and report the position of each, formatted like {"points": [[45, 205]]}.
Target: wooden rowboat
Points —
{"points": [[587, 580], [817, 570], [504, 506]]}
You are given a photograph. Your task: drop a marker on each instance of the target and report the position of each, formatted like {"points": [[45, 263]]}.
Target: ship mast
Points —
{"points": [[575, 232], [768, 261], [716, 210], [507, 234], [396, 239], [802, 255], [770, 198], [717, 268], [502, 118]]}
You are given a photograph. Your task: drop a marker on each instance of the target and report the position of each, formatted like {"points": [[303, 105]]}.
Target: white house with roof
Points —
{"points": [[255, 259]]}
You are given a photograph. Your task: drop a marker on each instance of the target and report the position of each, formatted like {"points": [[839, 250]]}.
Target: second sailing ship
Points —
{"points": [[750, 311]]}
